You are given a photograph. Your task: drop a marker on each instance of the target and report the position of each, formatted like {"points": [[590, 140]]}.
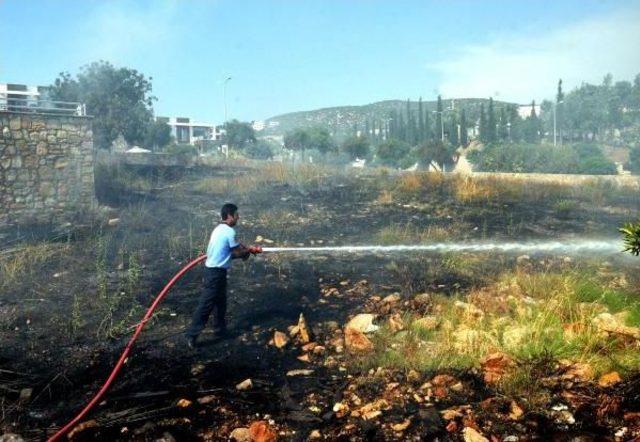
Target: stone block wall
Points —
{"points": [[46, 167]]}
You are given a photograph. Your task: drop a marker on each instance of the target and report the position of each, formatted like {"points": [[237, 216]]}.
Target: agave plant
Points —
{"points": [[631, 237]]}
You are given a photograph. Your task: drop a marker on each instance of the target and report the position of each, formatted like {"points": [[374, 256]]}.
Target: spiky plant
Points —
{"points": [[631, 237]]}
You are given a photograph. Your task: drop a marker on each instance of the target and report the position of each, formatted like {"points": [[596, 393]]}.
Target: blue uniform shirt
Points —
{"points": [[223, 239]]}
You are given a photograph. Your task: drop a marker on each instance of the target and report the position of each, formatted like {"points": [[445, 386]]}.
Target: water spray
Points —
{"points": [[569, 247]]}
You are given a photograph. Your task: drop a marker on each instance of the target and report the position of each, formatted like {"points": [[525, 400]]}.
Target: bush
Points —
{"points": [[181, 149], [393, 153], [260, 150], [634, 160], [584, 158]]}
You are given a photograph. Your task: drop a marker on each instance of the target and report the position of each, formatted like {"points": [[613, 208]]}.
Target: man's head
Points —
{"points": [[229, 214]]}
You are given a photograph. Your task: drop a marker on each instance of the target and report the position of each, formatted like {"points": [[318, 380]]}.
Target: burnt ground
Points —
{"points": [[267, 293]]}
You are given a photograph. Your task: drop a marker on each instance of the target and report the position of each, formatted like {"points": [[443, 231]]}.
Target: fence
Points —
{"points": [[42, 106]]}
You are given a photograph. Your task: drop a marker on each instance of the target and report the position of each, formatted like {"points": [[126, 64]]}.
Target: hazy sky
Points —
{"points": [[291, 55]]}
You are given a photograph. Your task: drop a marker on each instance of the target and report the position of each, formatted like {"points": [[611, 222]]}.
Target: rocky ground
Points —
{"points": [[297, 364]]}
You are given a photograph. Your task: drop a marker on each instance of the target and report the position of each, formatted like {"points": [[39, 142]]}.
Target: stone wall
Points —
{"points": [[46, 167]]}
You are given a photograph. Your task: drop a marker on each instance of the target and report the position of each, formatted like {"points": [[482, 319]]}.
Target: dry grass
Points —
{"points": [[410, 234], [530, 317], [267, 174], [21, 263]]}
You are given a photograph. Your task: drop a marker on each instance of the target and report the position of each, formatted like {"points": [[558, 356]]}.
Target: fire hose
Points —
{"points": [[125, 354]]}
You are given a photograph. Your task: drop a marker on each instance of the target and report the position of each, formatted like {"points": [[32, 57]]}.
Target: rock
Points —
{"points": [[391, 299], [363, 322], [261, 432], [280, 339], [423, 299], [11, 437], [113, 222], [315, 434], [259, 238], [471, 435], [245, 385], [356, 341], [523, 259], [304, 358], [495, 366], [609, 379], [318, 350], [515, 412], [81, 427], [204, 400], [340, 409], [196, 369], [303, 331], [395, 323], [302, 372], [609, 323], [241, 435], [576, 371], [413, 376], [401, 426], [338, 344], [166, 437], [427, 323], [309, 347], [184, 403], [25, 394]]}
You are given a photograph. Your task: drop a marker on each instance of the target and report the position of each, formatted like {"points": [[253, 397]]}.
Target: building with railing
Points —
{"points": [[35, 99], [187, 131]]}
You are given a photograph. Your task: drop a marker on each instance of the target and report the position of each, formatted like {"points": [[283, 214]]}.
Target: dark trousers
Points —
{"points": [[214, 296]]}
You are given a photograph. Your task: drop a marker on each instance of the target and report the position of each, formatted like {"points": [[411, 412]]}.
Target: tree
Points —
{"points": [[356, 147], [297, 140], [532, 131], [261, 150], [238, 134], [119, 99], [464, 139], [320, 139], [491, 123], [453, 132], [503, 128], [559, 110], [421, 131], [158, 135], [483, 125], [634, 160], [393, 153], [438, 128]]}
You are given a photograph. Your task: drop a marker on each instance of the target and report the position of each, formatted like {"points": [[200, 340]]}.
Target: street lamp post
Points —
{"points": [[224, 94], [555, 105]]}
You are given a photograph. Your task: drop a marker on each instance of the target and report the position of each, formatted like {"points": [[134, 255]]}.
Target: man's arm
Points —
{"points": [[240, 251]]}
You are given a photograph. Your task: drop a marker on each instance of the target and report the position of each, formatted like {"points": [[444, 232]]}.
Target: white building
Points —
{"points": [[524, 110], [186, 131]]}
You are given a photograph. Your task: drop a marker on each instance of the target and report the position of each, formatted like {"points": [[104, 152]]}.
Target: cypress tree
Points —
{"points": [[483, 125], [366, 128], [464, 139], [438, 129], [409, 127], [428, 134], [491, 123], [503, 134], [453, 131], [421, 136]]}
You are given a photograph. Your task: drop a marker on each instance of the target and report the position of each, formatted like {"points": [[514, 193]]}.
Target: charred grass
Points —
{"points": [[90, 291]]}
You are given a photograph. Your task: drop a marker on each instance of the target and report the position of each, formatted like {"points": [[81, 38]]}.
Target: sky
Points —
{"points": [[286, 56]]}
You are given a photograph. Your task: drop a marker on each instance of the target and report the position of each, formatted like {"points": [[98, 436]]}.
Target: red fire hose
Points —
{"points": [[116, 369]]}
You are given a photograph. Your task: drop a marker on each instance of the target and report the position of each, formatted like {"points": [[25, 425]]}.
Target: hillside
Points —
{"points": [[340, 120]]}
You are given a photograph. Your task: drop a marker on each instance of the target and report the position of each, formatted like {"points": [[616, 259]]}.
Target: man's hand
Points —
{"points": [[254, 250]]}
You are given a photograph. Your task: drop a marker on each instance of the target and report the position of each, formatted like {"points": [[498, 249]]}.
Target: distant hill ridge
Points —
{"points": [[342, 119]]}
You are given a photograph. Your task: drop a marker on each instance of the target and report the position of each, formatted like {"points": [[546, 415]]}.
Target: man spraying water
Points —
{"points": [[223, 247]]}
